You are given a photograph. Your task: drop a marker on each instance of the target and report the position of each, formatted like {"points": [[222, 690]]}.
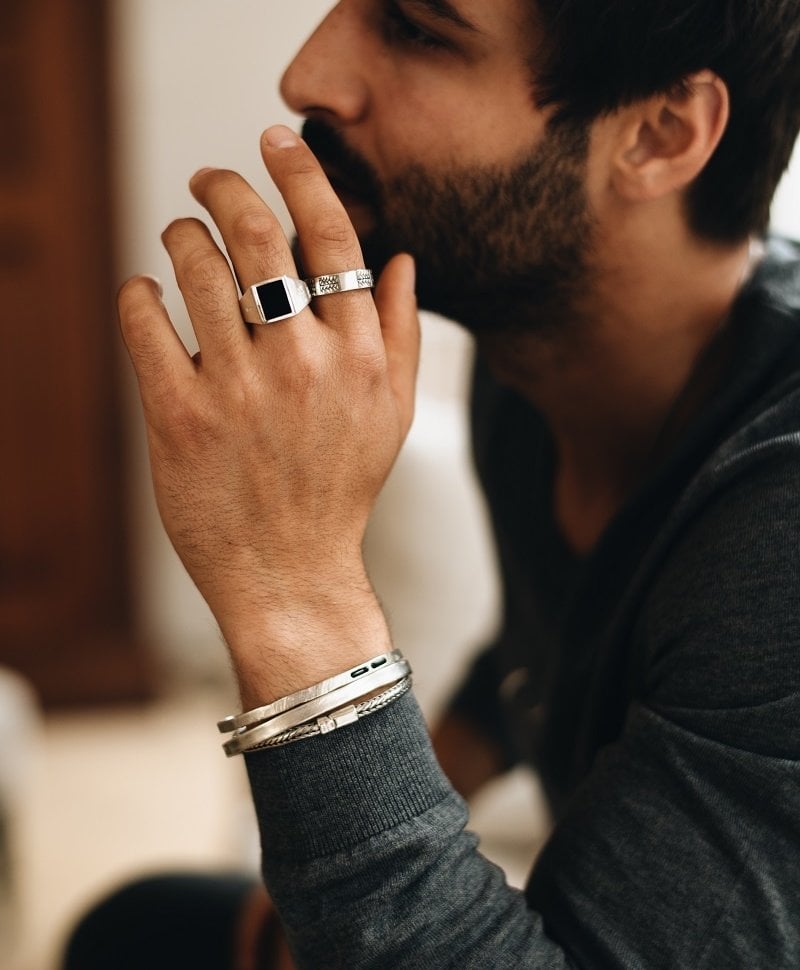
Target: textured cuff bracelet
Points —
{"points": [[337, 719], [319, 709]]}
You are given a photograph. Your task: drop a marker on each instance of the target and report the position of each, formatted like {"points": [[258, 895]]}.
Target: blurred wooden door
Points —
{"points": [[66, 617]]}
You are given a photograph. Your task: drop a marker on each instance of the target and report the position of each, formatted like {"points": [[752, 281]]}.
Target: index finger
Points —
{"points": [[328, 241]]}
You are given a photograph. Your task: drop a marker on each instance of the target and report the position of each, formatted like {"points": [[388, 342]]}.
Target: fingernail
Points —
{"points": [[156, 280], [279, 136]]}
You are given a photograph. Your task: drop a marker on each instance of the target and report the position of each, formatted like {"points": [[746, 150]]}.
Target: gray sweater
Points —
{"points": [[660, 701]]}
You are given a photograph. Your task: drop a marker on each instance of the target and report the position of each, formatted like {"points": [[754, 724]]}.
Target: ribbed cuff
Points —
{"points": [[327, 793]]}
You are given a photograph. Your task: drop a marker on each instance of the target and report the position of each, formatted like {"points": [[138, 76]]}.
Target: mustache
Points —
{"points": [[348, 167]]}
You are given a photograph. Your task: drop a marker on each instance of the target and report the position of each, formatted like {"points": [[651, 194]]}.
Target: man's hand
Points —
{"points": [[269, 447]]}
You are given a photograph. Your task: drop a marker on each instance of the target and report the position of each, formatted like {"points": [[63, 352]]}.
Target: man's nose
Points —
{"points": [[327, 75]]}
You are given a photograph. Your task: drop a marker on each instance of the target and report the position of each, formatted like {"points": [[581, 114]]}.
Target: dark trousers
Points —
{"points": [[162, 923]]}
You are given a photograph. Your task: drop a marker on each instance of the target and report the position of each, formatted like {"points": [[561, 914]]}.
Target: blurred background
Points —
{"points": [[113, 674]]}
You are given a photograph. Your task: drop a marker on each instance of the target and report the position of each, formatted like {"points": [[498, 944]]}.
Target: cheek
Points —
{"points": [[464, 124]]}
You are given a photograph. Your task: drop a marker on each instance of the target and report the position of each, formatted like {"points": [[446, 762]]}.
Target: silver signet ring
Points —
{"points": [[273, 300]]}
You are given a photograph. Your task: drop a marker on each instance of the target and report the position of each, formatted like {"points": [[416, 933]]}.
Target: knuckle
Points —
{"points": [[333, 232], [371, 364], [305, 168], [253, 228], [305, 375], [369, 375], [193, 423], [247, 399], [203, 270]]}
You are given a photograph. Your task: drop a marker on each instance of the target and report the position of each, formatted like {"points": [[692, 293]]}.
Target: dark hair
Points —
{"points": [[599, 55]]}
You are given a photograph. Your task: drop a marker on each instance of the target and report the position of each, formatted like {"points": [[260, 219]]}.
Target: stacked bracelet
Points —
{"points": [[319, 709], [347, 715], [260, 714]]}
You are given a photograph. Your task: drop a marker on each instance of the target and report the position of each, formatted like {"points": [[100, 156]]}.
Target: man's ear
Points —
{"points": [[667, 140]]}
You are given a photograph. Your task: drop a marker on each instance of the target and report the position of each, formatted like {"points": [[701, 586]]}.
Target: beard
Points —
{"points": [[499, 250]]}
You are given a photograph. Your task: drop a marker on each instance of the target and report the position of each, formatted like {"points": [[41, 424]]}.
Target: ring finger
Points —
{"points": [[253, 237]]}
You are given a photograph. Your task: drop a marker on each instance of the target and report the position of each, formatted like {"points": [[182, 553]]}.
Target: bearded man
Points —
{"points": [[586, 187]]}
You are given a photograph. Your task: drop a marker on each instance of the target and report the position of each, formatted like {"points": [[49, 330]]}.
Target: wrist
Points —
{"points": [[297, 641]]}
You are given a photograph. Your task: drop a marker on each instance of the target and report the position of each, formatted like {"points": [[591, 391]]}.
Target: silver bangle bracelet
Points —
{"points": [[383, 676], [235, 722], [337, 719]]}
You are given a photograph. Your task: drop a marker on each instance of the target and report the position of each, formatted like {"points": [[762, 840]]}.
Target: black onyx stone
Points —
{"points": [[274, 299]]}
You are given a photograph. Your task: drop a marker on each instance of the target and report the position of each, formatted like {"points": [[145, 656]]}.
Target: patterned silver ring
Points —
{"points": [[350, 279]]}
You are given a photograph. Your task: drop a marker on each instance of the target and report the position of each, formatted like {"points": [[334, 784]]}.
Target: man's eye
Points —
{"points": [[400, 30]]}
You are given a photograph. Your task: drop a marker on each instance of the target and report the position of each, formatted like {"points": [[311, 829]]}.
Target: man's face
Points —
{"points": [[422, 113]]}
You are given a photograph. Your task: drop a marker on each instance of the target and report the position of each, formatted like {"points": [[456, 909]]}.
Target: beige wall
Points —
{"points": [[786, 208], [196, 83]]}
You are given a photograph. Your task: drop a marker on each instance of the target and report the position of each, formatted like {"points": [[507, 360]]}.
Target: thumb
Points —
{"points": [[396, 302]]}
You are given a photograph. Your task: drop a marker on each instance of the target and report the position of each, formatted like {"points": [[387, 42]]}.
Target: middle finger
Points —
{"points": [[328, 242], [252, 234]]}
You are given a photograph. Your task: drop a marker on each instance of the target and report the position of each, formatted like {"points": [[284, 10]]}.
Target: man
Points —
{"points": [[586, 187]]}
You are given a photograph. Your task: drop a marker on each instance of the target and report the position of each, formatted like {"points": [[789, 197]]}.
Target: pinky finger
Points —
{"points": [[159, 357], [397, 308]]}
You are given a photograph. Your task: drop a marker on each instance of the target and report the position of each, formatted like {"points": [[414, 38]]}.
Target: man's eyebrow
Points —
{"points": [[444, 10]]}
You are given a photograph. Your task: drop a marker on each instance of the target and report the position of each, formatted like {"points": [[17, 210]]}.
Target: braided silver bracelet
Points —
{"points": [[337, 719], [334, 700], [326, 706]]}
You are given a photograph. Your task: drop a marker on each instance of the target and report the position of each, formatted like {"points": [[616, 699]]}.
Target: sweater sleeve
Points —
{"points": [[679, 849], [366, 855]]}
